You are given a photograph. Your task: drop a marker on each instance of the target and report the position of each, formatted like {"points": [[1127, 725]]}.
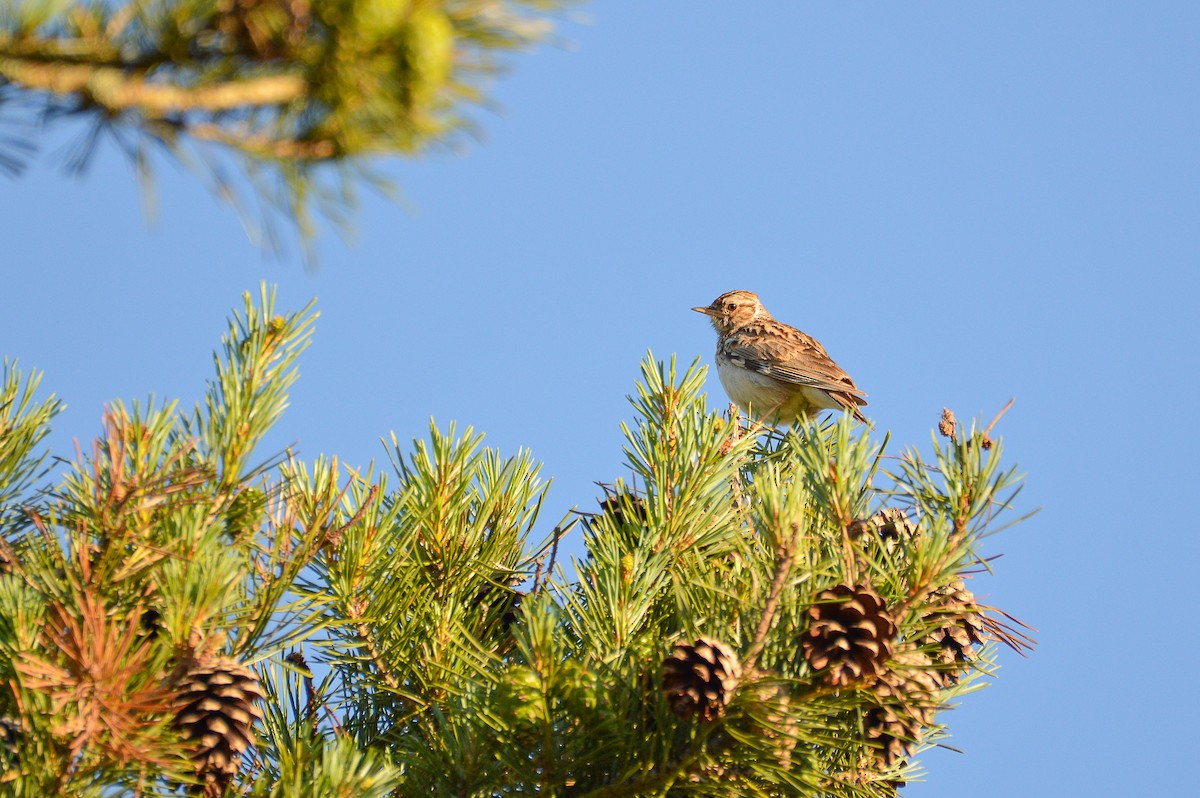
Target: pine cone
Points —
{"points": [[214, 711], [909, 700], [245, 513], [850, 637], [909, 691], [779, 723], [857, 528], [893, 732], [624, 507], [910, 683], [957, 629], [624, 512], [8, 557], [700, 678], [499, 604], [10, 738], [893, 527], [948, 424], [150, 623]]}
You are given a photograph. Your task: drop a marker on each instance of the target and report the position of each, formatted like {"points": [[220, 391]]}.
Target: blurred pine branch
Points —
{"points": [[302, 97]]}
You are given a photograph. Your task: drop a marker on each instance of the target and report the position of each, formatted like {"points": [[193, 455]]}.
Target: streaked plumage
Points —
{"points": [[773, 370]]}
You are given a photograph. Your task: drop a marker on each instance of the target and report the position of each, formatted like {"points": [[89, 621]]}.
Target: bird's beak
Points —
{"points": [[707, 311]]}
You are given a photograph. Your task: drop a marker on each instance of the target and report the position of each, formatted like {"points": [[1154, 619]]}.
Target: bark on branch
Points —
{"points": [[119, 90]]}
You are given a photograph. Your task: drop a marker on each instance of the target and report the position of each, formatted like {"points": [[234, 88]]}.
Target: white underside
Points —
{"points": [[763, 396]]}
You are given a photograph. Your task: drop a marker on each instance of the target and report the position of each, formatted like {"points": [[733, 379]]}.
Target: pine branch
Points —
{"points": [[286, 86], [161, 552], [115, 89]]}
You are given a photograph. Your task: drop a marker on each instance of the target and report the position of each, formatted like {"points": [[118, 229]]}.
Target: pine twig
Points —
{"points": [[786, 558], [1003, 410], [259, 146]]}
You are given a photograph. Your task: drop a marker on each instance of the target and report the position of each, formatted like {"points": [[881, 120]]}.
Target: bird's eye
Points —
{"points": [[730, 306]]}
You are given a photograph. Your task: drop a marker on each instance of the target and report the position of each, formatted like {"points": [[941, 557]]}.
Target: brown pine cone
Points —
{"points": [[850, 636], [700, 678], [957, 628], [215, 708]]}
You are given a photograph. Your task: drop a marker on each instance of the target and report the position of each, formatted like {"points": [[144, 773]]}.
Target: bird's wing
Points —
{"points": [[788, 355]]}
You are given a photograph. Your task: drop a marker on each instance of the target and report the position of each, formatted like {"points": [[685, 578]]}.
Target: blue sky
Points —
{"points": [[965, 202]]}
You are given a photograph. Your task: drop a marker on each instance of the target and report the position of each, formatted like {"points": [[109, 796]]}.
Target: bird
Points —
{"points": [[771, 369]]}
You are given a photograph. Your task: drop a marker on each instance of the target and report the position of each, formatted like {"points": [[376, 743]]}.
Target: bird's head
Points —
{"points": [[733, 309]]}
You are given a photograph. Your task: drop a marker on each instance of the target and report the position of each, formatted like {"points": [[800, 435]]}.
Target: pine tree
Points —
{"points": [[301, 95], [756, 613]]}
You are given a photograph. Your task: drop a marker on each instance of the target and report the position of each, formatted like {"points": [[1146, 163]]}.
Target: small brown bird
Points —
{"points": [[772, 369]]}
